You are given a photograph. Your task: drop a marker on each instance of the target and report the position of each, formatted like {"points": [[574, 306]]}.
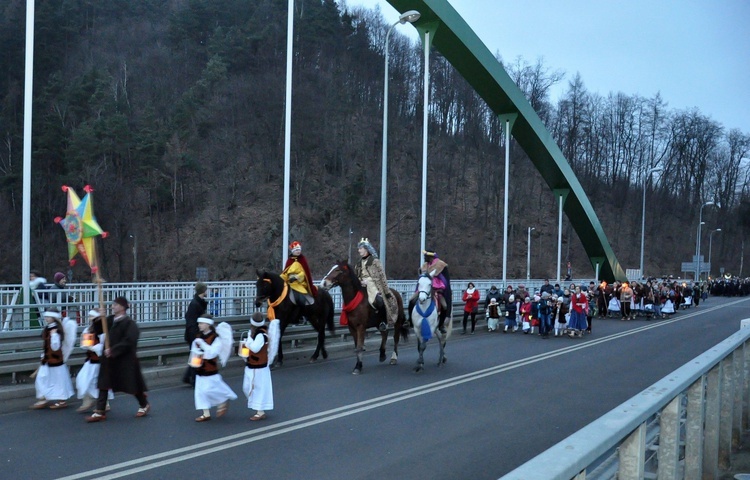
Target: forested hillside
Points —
{"points": [[174, 112]]}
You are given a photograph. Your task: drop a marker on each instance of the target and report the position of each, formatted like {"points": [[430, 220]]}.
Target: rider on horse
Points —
{"points": [[441, 283], [370, 272], [297, 274]]}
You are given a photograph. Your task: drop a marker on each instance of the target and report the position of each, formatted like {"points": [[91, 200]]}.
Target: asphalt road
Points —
{"points": [[499, 400]]}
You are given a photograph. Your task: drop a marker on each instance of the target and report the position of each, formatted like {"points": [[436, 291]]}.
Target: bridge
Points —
{"points": [[499, 401]]}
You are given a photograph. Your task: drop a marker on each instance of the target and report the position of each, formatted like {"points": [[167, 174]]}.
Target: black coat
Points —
{"points": [[197, 307], [121, 372]]}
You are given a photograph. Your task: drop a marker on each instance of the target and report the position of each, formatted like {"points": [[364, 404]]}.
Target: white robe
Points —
{"points": [[86, 380], [211, 390], [257, 384], [54, 383]]}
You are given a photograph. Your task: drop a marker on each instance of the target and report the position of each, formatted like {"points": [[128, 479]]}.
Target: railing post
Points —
{"points": [[669, 439], [711, 436], [725, 413], [738, 362], [632, 453], [746, 387], [694, 429]]}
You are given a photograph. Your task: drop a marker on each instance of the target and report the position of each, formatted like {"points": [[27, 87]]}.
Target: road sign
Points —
{"points": [[691, 267]]}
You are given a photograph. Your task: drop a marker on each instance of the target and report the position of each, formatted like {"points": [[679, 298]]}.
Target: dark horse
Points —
{"points": [[361, 316], [270, 287]]}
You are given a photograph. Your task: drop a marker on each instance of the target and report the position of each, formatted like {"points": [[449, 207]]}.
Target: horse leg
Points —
{"points": [[396, 336], [279, 360], [420, 361], [383, 339], [442, 358], [360, 341], [320, 347]]}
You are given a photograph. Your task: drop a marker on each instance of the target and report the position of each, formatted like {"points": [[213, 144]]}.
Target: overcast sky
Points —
{"points": [[695, 52]]}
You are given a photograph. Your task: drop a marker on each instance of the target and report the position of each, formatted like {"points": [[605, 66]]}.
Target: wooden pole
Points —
{"points": [[105, 327]]}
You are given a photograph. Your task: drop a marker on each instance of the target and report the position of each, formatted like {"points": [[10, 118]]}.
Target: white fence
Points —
{"points": [[168, 301]]}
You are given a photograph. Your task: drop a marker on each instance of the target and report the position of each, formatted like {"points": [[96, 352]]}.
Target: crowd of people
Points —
{"points": [[570, 310], [111, 341]]}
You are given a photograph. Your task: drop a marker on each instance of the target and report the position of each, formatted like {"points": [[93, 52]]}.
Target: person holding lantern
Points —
{"points": [[257, 381], [211, 346], [92, 340]]}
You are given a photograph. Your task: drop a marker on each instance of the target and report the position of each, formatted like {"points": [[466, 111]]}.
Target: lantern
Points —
{"points": [[87, 340], [243, 350], [196, 358]]}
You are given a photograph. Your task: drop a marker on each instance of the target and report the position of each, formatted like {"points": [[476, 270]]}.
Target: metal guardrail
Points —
{"points": [[683, 426], [152, 302]]}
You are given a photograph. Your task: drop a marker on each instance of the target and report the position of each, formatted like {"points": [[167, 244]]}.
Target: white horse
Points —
{"points": [[425, 320]]}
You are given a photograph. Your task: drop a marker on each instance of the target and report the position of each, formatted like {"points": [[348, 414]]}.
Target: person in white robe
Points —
{"points": [[211, 347], [52, 382], [92, 340], [257, 384]]}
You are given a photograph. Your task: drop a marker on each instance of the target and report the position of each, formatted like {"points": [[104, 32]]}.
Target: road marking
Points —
{"points": [[133, 467]]}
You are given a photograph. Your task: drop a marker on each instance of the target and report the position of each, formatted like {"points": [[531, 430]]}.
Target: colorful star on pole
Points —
{"points": [[81, 227]]}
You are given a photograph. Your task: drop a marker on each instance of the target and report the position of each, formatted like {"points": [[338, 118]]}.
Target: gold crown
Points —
{"points": [[364, 240]]}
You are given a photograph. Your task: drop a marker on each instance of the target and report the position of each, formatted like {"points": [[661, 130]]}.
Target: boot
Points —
{"points": [[441, 327]]}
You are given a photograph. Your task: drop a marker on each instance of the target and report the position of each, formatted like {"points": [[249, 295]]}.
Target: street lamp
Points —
{"points": [[411, 16], [135, 256], [643, 213], [528, 254], [710, 246], [698, 240]]}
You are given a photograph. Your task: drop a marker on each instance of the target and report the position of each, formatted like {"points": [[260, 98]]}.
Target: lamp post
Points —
{"points": [[135, 256], [643, 213], [411, 16], [698, 242], [710, 246], [528, 254]]}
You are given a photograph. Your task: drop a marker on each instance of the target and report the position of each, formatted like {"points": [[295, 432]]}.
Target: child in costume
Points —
{"points": [[52, 381], [215, 345]]}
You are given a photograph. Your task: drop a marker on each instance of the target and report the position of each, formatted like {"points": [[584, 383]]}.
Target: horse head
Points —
{"points": [[263, 287], [424, 288], [339, 274]]}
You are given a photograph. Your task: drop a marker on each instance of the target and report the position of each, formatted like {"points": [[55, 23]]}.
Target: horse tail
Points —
{"points": [[404, 330]]}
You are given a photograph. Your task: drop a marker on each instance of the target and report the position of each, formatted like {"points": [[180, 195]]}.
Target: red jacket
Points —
{"points": [[472, 300]]}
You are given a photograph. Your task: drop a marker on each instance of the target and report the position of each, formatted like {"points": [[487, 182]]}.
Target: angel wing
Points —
{"points": [[224, 330], [274, 335], [70, 327]]}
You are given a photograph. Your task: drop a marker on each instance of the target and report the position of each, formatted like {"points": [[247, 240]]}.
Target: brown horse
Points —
{"points": [[360, 315], [271, 288]]}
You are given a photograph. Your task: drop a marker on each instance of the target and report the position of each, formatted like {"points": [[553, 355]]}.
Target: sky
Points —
{"points": [[696, 53]]}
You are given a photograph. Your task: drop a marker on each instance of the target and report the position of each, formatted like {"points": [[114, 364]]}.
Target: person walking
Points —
{"points": [[120, 369], [471, 297], [198, 306], [257, 383], [52, 381], [214, 346], [92, 340]]}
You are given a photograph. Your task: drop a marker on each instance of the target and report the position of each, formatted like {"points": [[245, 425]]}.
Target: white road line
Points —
{"points": [[231, 441]]}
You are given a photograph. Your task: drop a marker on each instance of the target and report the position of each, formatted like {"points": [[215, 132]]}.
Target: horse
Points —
{"points": [[424, 317], [271, 288], [360, 316]]}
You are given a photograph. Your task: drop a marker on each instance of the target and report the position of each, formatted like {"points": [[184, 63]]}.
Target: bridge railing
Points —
{"points": [[152, 302], [683, 426]]}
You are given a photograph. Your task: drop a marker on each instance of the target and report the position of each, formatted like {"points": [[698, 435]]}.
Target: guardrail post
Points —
{"points": [[725, 412], [669, 439], [694, 430], [738, 362], [745, 385], [711, 435], [632, 453]]}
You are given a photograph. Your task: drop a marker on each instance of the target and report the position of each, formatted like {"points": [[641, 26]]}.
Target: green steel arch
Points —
{"points": [[458, 43]]}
